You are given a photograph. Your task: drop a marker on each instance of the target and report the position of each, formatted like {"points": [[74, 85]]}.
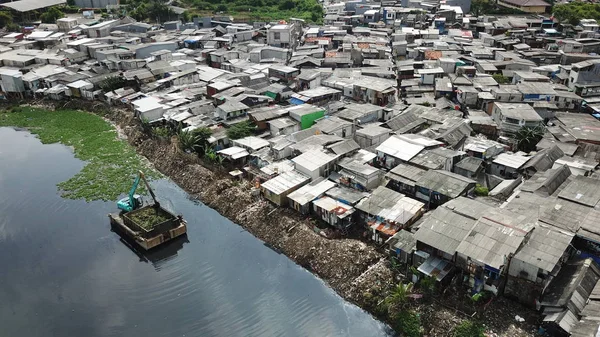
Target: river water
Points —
{"points": [[64, 273]]}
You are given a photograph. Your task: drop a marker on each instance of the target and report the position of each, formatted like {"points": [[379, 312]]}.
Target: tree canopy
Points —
{"points": [[240, 130], [575, 11]]}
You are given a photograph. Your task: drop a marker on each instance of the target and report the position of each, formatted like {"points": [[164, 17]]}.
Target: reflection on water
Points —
{"points": [[65, 273]]}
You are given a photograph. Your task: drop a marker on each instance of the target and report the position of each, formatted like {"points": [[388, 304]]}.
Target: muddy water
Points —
{"points": [[64, 273]]}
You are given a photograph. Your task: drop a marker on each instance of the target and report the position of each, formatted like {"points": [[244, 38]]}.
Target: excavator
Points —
{"points": [[134, 201]]}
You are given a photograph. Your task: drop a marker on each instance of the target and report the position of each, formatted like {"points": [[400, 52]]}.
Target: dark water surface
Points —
{"points": [[64, 273]]}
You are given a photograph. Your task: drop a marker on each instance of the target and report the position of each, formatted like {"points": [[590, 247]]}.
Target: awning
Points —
{"points": [[384, 228], [296, 101], [436, 267]]}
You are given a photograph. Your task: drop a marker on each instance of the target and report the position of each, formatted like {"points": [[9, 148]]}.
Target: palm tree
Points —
{"points": [[399, 296], [527, 137]]}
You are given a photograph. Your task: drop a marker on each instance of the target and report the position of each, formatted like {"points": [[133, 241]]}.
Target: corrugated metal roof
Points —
{"points": [[544, 248], [406, 174], [582, 190], [444, 229], [313, 160], [285, 182], [444, 182], [310, 192], [29, 5], [391, 206], [400, 148], [511, 160]]}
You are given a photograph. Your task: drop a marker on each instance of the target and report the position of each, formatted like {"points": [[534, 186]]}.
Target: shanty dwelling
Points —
{"points": [[371, 135], [377, 91], [283, 126], [542, 161], [346, 148], [439, 158], [407, 122], [332, 125], [486, 250], [436, 187], [395, 150], [315, 163], [385, 212], [284, 73], [81, 88], [277, 189], [440, 234], [402, 245], [261, 116], [537, 263], [359, 176], [362, 114], [306, 114], [149, 108], [231, 110], [470, 167], [403, 178], [333, 212], [251, 143], [301, 199], [508, 165], [317, 96], [511, 117], [567, 295], [234, 154]]}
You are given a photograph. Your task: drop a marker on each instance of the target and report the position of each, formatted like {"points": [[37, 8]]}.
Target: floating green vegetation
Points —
{"points": [[111, 163]]}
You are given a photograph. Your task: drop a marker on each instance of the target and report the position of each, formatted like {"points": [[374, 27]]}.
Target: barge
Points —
{"points": [[148, 236]]}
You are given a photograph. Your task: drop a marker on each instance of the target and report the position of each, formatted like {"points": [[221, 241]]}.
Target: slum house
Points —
{"points": [[403, 178], [511, 117], [542, 161], [261, 116], [362, 114], [335, 213], [315, 164], [333, 125], [251, 143], [537, 263], [317, 96], [231, 110], [508, 165], [439, 158], [359, 176], [377, 91], [371, 135], [436, 187], [567, 294], [402, 245], [306, 114], [385, 212], [583, 128], [301, 199], [283, 126], [345, 148], [406, 122], [470, 167], [440, 234], [486, 250], [277, 189]]}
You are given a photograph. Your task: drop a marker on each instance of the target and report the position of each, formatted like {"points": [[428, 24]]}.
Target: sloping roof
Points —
{"points": [[528, 3], [390, 205], [404, 240], [405, 122], [544, 159], [491, 242], [310, 192], [313, 160], [470, 164], [435, 158], [511, 160], [563, 214], [580, 126], [572, 286], [330, 124], [344, 147], [444, 229], [545, 183], [582, 190], [399, 148], [284, 182], [545, 247], [406, 174], [29, 5], [444, 182]]}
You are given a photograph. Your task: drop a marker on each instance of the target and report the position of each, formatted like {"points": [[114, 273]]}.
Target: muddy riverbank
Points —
{"points": [[357, 270]]}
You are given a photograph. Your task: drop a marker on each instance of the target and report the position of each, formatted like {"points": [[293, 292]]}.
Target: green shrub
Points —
{"points": [[469, 329], [481, 190], [408, 324]]}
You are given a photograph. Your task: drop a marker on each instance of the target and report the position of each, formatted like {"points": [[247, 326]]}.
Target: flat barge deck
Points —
{"points": [[148, 238]]}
